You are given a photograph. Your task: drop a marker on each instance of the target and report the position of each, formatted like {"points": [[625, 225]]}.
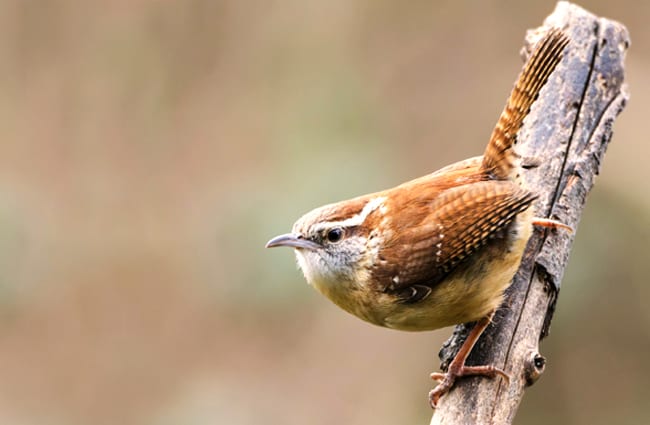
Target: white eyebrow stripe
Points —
{"points": [[356, 219]]}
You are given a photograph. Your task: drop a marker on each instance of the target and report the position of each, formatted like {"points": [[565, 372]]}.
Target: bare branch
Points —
{"points": [[563, 142]]}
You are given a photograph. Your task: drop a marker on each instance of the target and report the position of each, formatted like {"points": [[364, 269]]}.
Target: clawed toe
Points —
{"points": [[448, 379]]}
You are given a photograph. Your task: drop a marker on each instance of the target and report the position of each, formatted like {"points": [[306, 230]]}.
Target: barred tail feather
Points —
{"points": [[499, 159]]}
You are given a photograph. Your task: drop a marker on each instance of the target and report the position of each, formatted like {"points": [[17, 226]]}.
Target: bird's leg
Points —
{"points": [[457, 366]]}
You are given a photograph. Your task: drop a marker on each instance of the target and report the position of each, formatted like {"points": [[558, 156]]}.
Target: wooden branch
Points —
{"points": [[562, 142]]}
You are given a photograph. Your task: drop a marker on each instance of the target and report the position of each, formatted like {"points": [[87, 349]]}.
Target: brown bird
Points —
{"points": [[438, 250]]}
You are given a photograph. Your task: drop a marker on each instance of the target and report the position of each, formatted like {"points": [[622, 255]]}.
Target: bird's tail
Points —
{"points": [[499, 159]]}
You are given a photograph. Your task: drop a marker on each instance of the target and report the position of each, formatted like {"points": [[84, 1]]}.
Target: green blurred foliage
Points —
{"points": [[152, 147]]}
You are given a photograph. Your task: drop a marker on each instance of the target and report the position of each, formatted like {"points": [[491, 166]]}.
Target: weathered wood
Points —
{"points": [[563, 142]]}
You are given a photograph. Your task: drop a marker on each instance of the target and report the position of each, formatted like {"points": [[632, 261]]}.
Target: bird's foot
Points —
{"points": [[455, 371]]}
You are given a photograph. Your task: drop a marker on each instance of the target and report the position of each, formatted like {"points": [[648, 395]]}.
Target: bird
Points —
{"points": [[438, 250]]}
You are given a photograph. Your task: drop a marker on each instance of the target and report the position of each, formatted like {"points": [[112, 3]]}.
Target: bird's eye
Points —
{"points": [[334, 235]]}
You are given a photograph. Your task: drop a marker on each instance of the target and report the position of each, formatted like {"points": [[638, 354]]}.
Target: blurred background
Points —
{"points": [[151, 148]]}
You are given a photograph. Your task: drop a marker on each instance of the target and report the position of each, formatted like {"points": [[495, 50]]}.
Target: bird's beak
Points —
{"points": [[293, 241]]}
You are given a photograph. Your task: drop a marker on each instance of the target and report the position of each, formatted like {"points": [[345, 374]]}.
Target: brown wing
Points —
{"points": [[443, 231]]}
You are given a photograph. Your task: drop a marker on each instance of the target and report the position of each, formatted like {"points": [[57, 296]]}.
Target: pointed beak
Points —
{"points": [[293, 241]]}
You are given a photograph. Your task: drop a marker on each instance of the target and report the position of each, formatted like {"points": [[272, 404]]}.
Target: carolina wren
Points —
{"points": [[438, 250]]}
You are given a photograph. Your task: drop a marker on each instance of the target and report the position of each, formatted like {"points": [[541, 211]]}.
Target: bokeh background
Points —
{"points": [[150, 148]]}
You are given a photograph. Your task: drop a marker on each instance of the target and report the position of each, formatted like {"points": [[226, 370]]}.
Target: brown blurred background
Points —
{"points": [[151, 148]]}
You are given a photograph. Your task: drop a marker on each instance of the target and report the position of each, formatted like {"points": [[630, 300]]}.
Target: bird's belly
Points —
{"points": [[458, 300]]}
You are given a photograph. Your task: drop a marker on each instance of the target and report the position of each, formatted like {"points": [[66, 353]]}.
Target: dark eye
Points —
{"points": [[334, 235]]}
